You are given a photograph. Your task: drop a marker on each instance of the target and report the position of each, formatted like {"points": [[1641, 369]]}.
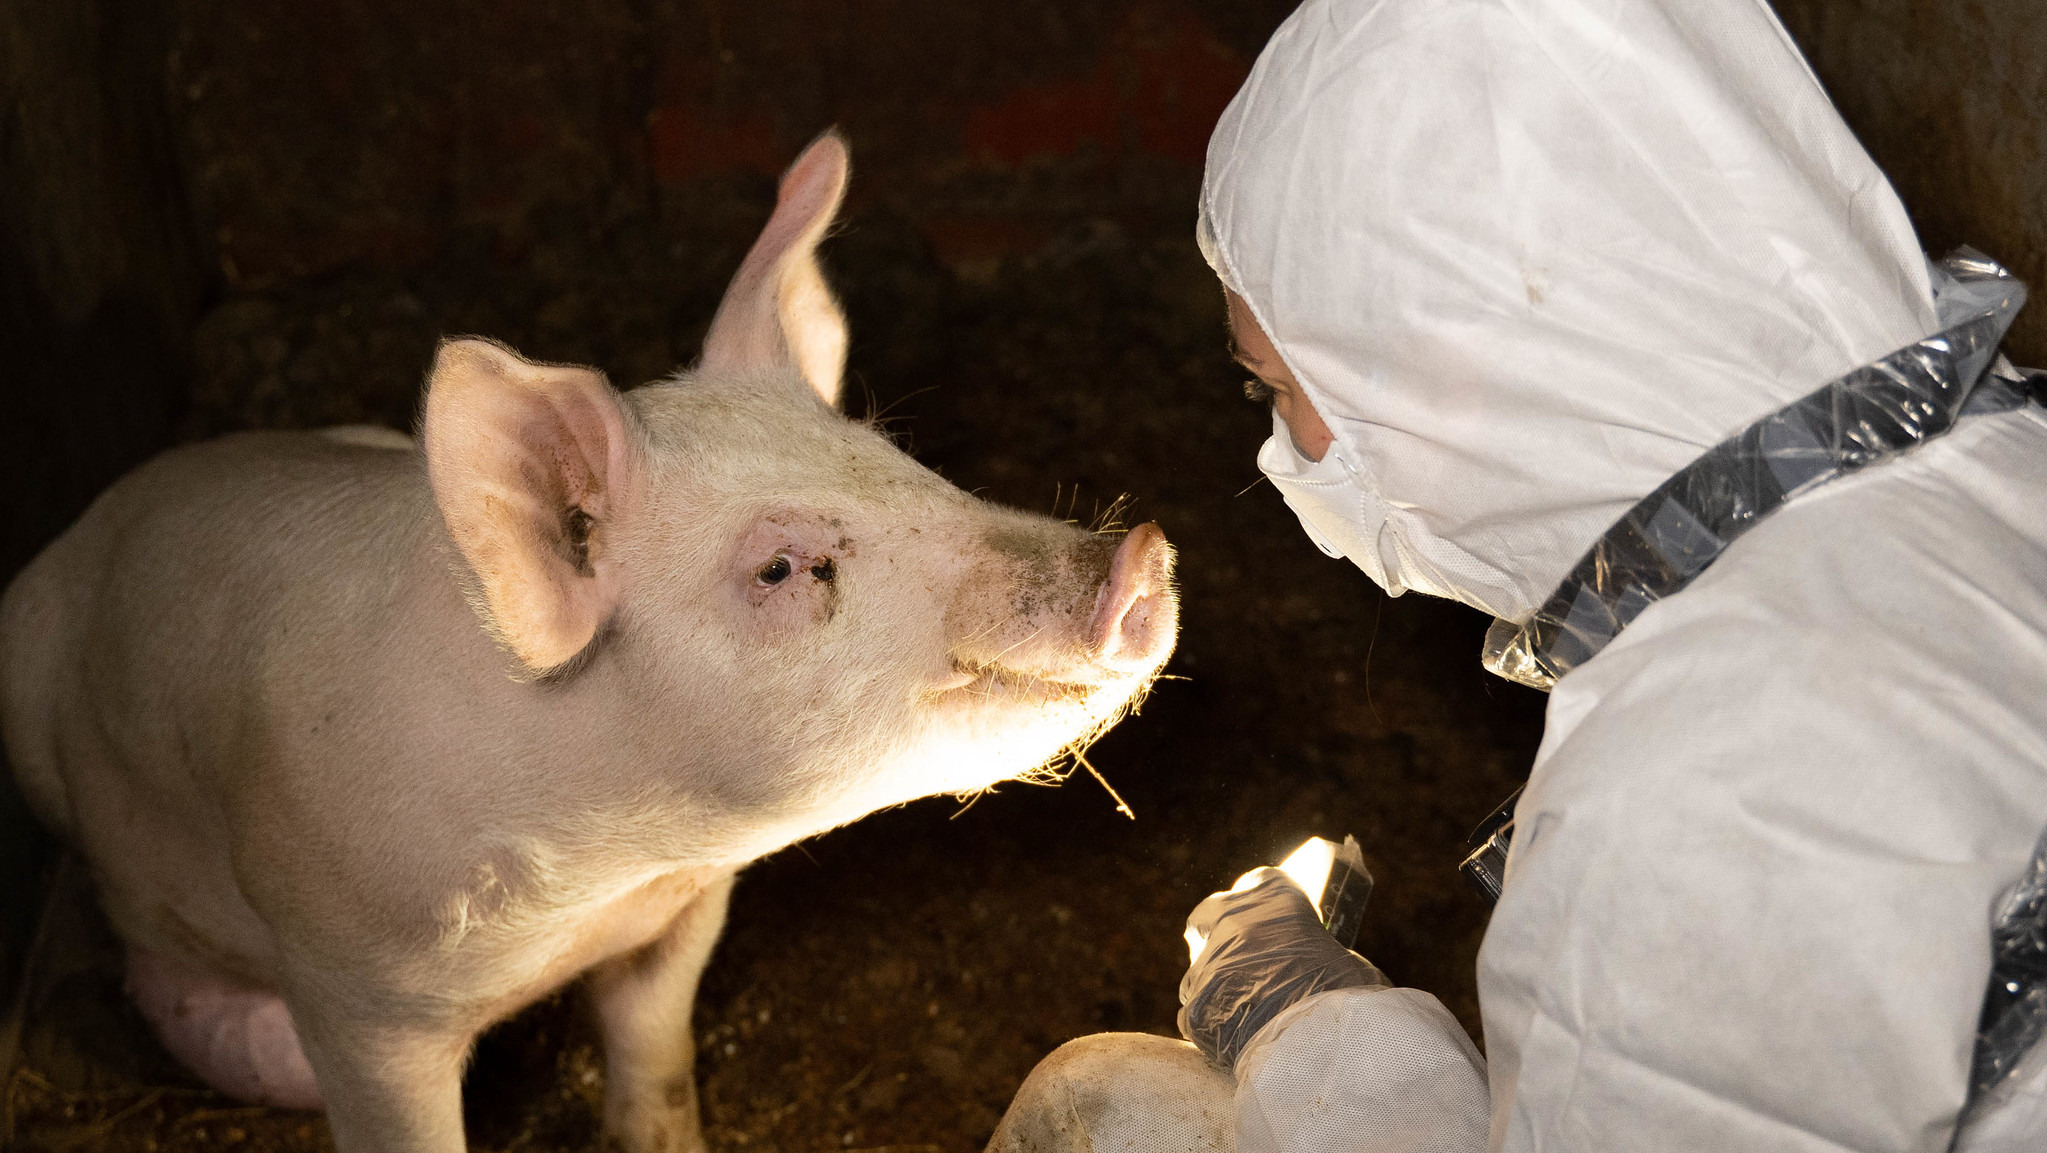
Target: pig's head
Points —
{"points": [[774, 616]]}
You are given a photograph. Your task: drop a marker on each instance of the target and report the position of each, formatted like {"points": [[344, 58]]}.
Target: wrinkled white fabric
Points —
{"points": [[1528, 258], [1409, 1080], [1748, 903], [1120, 1093], [1425, 1091]]}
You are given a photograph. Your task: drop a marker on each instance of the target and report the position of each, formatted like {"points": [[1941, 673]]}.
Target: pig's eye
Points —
{"points": [[775, 571]]}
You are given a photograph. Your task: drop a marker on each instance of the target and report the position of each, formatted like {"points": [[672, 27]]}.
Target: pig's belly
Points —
{"points": [[160, 855], [177, 900], [167, 884]]}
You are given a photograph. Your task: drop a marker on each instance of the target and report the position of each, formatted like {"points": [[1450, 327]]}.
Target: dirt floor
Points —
{"points": [[1038, 327]]}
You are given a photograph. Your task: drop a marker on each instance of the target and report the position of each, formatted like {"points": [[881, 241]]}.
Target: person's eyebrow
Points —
{"points": [[1238, 354]]}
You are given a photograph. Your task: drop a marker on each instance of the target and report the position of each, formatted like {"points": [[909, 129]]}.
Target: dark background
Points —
{"points": [[231, 214]]}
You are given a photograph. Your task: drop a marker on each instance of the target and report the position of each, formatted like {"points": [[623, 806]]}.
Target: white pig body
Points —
{"points": [[408, 738]]}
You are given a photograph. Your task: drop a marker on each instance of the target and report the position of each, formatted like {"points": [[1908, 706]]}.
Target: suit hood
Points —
{"points": [[1529, 258]]}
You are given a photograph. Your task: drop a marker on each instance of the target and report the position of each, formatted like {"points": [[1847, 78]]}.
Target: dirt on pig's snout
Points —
{"points": [[1028, 605], [1043, 571]]}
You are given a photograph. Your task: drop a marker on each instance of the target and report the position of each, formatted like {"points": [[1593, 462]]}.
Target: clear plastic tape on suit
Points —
{"points": [[1877, 411], [2015, 1008]]}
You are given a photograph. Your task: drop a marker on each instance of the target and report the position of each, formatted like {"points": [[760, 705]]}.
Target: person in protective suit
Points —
{"points": [[1515, 274]]}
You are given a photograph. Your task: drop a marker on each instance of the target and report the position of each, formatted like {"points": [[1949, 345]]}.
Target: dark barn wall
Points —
{"points": [[99, 289], [96, 258], [577, 178], [1950, 97]]}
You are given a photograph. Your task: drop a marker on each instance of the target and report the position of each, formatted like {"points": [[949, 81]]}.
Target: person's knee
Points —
{"points": [[1120, 1091]]}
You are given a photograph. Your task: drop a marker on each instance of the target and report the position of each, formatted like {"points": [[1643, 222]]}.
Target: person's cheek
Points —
{"points": [[1308, 433]]}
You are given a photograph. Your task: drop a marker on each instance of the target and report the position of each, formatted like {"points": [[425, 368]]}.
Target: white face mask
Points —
{"points": [[1335, 511], [1347, 518]]}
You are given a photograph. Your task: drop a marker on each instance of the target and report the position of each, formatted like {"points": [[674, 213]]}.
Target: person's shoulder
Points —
{"points": [[1894, 623], [1929, 562]]}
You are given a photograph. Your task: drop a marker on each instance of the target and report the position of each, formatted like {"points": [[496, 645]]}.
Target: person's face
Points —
{"points": [[1273, 382]]}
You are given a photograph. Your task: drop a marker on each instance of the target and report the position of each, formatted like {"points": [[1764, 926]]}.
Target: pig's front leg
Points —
{"points": [[389, 1087], [644, 999]]}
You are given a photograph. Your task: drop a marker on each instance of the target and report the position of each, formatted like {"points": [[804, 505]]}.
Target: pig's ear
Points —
{"points": [[530, 465], [778, 310]]}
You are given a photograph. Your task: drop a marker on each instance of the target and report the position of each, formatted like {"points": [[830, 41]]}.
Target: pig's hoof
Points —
{"points": [[651, 1125], [238, 1039]]}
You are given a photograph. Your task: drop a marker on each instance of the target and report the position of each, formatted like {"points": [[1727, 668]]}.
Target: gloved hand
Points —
{"points": [[1266, 951]]}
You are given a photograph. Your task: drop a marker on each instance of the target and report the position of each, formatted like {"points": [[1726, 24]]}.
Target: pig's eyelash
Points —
{"points": [[1257, 391]]}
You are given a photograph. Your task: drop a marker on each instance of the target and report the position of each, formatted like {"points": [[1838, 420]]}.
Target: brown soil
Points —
{"points": [[1031, 316]]}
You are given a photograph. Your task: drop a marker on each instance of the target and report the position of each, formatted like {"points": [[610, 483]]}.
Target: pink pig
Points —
{"points": [[369, 745]]}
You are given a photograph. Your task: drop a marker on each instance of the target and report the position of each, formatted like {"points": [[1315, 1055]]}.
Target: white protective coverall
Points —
{"points": [[1528, 259]]}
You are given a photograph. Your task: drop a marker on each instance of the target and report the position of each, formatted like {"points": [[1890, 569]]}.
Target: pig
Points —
{"points": [[369, 743]]}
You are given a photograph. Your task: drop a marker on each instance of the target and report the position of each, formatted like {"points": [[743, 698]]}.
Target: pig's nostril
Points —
{"points": [[1136, 615], [1135, 641]]}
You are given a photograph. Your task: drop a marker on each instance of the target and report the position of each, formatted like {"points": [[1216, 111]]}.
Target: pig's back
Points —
{"points": [[133, 648]]}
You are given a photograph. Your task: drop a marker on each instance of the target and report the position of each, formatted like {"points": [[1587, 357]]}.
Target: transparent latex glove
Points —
{"points": [[1266, 951]]}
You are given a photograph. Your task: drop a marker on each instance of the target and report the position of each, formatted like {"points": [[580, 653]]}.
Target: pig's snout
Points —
{"points": [[1137, 613]]}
